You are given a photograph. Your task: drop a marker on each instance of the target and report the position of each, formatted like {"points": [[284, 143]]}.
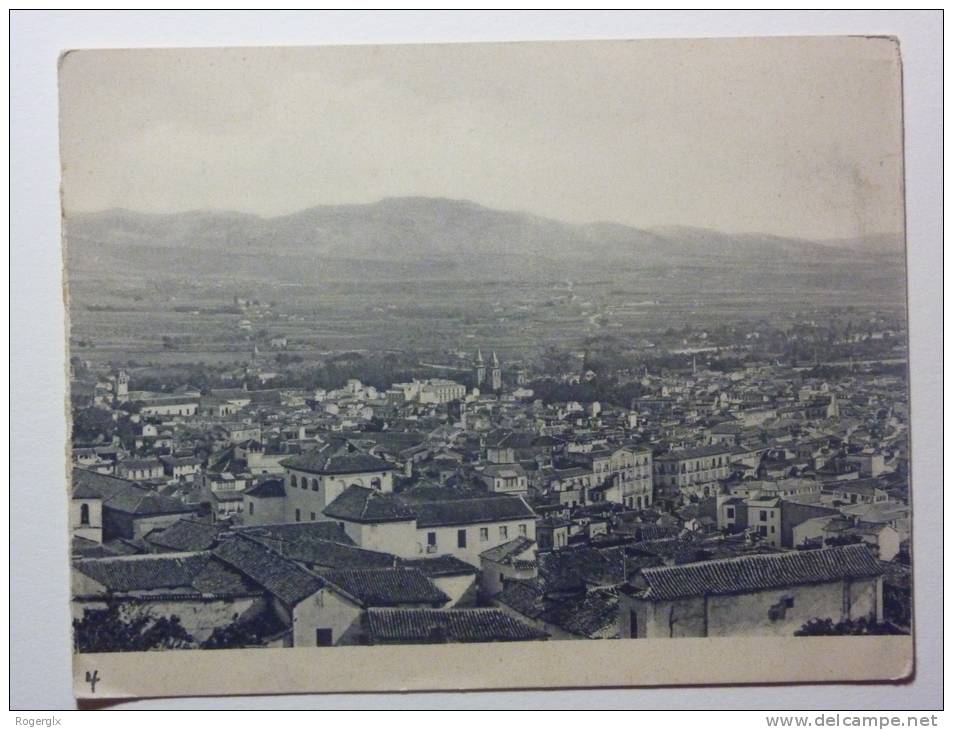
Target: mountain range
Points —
{"points": [[429, 238]]}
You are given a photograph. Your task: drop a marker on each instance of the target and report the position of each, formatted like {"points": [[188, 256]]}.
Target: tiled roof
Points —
{"points": [[856, 486], [439, 565], [387, 586], [336, 458], [524, 596], [508, 550], [188, 574], [759, 572], [185, 536], [696, 453], [424, 626], [365, 505], [594, 614], [280, 576], [268, 488], [504, 470], [470, 511], [139, 464], [673, 548], [301, 532], [577, 568], [123, 495], [325, 554]]}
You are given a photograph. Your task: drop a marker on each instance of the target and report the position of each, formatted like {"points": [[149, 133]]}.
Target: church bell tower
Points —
{"points": [[479, 369], [496, 374]]}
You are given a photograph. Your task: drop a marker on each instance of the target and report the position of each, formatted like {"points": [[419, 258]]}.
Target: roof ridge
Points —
{"points": [[757, 556]]}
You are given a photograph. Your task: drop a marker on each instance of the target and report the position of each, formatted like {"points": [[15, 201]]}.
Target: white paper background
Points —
{"points": [[40, 644]]}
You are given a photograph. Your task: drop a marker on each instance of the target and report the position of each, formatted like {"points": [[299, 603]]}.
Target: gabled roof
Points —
{"points": [[185, 536], [326, 554], [524, 596], [123, 495], [504, 470], [186, 574], [301, 532], [594, 614], [508, 550], [336, 457], [386, 586], [427, 626], [751, 573], [368, 506], [439, 566], [281, 577], [471, 511]]}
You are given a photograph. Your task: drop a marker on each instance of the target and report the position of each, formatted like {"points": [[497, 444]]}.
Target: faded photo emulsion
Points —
{"points": [[406, 367]]}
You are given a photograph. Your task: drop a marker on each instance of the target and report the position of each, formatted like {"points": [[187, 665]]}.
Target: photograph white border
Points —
{"points": [[40, 646]]}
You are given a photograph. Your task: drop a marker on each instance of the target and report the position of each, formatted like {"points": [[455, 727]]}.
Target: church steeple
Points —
{"points": [[496, 375], [479, 369]]}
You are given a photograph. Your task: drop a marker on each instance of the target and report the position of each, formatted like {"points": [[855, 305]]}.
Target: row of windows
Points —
{"points": [[315, 486], [314, 516], [689, 466], [484, 535], [304, 482]]}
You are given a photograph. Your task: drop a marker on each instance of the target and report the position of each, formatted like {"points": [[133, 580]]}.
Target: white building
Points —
{"points": [[315, 478]]}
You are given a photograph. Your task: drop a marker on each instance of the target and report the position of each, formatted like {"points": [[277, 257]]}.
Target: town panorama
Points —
{"points": [[274, 450]]}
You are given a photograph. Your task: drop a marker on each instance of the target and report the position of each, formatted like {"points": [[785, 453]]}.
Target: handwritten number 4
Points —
{"points": [[92, 678]]}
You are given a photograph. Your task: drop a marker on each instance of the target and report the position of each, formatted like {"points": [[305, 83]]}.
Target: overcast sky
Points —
{"points": [[793, 137]]}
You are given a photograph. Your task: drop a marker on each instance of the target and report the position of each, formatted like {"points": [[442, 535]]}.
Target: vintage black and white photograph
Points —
{"points": [[491, 345]]}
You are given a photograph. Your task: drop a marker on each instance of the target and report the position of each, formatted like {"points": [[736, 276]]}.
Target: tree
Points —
{"points": [[856, 627], [128, 627], [93, 424], [242, 633], [839, 540]]}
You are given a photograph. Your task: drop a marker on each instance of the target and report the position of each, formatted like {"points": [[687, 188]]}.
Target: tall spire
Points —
{"points": [[479, 357], [494, 361]]}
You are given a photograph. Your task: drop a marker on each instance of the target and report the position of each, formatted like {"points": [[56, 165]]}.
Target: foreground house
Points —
{"points": [[128, 510], [202, 591], [456, 626], [753, 595], [409, 527]]}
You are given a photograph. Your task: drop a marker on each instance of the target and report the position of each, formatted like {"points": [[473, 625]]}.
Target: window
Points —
{"points": [[432, 539], [376, 483], [294, 481], [461, 538], [251, 508], [324, 637], [84, 514], [764, 516], [772, 529], [297, 515], [730, 512], [763, 531], [633, 625], [314, 485], [313, 517], [503, 532], [484, 534], [522, 530]]}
